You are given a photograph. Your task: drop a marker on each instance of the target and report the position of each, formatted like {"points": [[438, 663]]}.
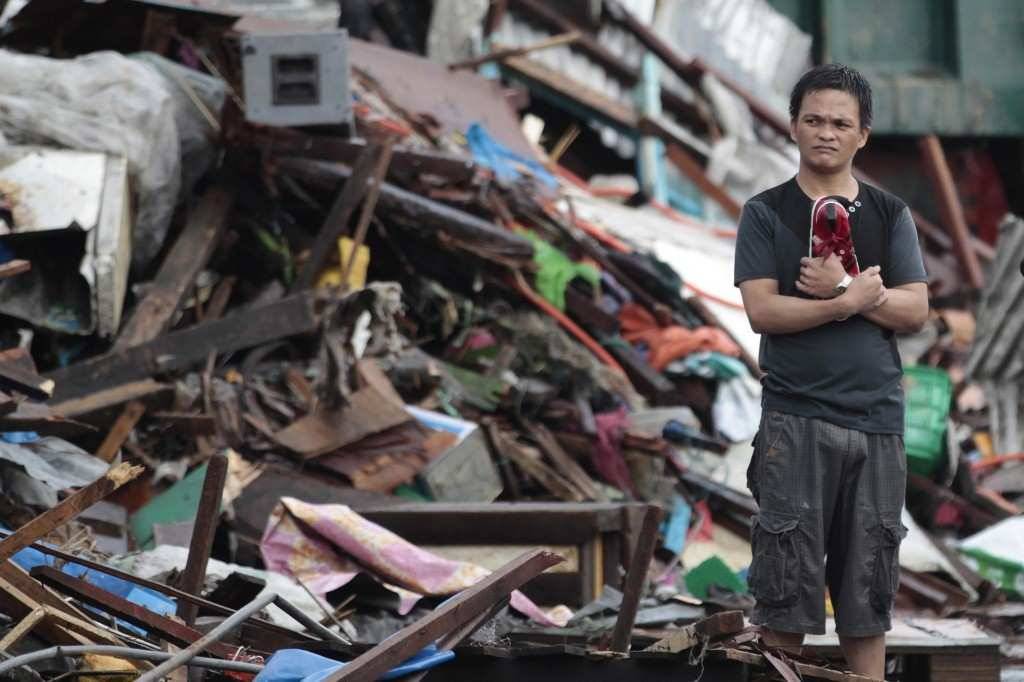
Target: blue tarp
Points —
{"points": [[505, 163], [296, 665]]}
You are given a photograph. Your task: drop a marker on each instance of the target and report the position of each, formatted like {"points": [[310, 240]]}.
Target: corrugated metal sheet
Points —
{"points": [[573, 64], [747, 40], [997, 357], [998, 352]]}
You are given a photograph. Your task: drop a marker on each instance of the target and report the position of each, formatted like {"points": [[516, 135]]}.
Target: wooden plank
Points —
{"points": [[445, 619], [505, 52], [583, 97], [636, 578], [99, 406], [139, 616], [369, 204], [952, 210], [23, 627], [812, 671], [712, 627], [498, 522], [14, 267], [20, 595], [206, 521], [12, 574], [187, 347], [194, 424], [336, 222], [531, 465], [177, 274], [425, 216], [564, 462], [119, 432], [15, 377], [694, 115], [689, 166], [407, 161], [366, 413], [67, 509]]}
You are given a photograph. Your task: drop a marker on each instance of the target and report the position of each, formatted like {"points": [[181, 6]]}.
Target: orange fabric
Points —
{"points": [[668, 344]]}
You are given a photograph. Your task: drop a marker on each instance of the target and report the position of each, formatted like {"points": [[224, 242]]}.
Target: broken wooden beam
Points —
{"points": [[206, 521], [449, 617], [177, 275], [425, 216], [366, 214], [281, 142], [187, 347], [20, 595], [12, 573], [345, 203], [636, 578], [952, 210], [67, 509], [135, 614], [504, 52], [707, 629], [119, 432]]}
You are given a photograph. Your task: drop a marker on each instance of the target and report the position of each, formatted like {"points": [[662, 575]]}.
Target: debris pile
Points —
{"points": [[305, 333]]}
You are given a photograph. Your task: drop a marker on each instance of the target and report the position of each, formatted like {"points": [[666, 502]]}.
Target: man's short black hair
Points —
{"points": [[833, 77]]}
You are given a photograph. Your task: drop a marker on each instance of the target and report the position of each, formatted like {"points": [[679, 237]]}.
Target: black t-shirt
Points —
{"points": [[848, 372]]}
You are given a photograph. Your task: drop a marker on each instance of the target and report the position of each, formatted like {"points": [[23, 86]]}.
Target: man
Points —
{"points": [[828, 469]]}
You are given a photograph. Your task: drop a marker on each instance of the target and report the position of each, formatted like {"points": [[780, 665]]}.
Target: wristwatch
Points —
{"points": [[844, 283]]}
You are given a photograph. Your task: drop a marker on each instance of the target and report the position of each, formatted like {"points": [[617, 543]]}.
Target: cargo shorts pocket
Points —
{"points": [[775, 570], [885, 576]]}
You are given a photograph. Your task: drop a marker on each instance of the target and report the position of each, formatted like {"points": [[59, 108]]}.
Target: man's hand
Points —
{"points": [[865, 293], [819, 277]]}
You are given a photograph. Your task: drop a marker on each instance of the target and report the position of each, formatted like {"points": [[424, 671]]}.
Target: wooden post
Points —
{"points": [[203, 531]]}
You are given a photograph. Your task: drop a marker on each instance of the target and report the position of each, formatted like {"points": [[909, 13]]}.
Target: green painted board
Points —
{"points": [[176, 504]]}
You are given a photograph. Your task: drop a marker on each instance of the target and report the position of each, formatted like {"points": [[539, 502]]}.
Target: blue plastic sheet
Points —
{"points": [[29, 558], [296, 665], [505, 163], [19, 437]]}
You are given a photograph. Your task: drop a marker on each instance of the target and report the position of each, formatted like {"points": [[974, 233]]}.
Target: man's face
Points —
{"points": [[827, 130]]}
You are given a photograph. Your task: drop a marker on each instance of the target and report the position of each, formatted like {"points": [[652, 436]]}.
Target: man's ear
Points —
{"points": [[792, 129], [865, 133]]}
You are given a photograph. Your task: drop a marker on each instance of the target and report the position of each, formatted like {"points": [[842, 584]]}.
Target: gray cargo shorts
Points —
{"points": [[829, 503]]}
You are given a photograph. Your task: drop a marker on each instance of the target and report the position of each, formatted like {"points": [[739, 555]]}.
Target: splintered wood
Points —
{"points": [[68, 509]]}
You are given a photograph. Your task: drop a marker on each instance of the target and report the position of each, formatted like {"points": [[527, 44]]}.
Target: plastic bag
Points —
{"points": [[101, 102]]}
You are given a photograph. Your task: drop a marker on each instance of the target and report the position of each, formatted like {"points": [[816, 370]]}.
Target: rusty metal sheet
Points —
{"points": [[454, 99]]}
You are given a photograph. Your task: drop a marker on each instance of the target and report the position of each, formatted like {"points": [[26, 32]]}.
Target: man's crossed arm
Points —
{"points": [[902, 309]]}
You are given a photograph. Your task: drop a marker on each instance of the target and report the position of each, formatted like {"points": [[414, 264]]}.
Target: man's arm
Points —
{"points": [[905, 310], [771, 313]]}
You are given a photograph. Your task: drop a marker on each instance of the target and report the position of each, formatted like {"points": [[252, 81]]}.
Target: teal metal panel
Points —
{"points": [[991, 38], [952, 67], [904, 37]]}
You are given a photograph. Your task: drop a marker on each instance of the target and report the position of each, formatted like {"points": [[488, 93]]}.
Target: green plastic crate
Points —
{"points": [[1007, 575], [928, 392]]}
